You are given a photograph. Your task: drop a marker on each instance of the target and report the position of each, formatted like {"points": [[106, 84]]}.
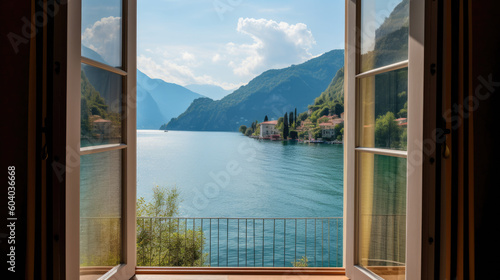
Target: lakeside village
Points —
{"points": [[327, 129]]}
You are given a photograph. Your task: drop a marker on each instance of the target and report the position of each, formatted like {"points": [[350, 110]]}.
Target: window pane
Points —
{"points": [[102, 31], [101, 209], [382, 214], [101, 105], [384, 32], [383, 105]]}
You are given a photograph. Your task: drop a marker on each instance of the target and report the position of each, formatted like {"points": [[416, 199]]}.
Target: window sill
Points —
{"points": [[230, 273]]}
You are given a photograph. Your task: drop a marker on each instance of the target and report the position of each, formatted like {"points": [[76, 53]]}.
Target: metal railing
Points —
{"points": [[239, 242]]}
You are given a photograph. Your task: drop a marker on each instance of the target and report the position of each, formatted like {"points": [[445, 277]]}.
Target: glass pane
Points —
{"points": [[382, 214], [102, 31], [384, 32], [383, 105], [101, 105], [101, 209]]}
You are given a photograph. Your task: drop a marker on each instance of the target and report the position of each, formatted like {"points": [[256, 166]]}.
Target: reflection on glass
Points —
{"points": [[100, 209], [383, 114], [101, 107], [384, 32], [102, 31], [382, 214]]}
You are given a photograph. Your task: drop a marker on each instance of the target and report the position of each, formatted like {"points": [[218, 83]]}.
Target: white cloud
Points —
{"points": [[188, 56], [275, 45], [104, 37], [230, 65], [172, 72], [216, 58]]}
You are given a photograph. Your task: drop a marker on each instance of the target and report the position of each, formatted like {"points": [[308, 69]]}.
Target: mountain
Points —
{"points": [[334, 92], [211, 91], [89, 53], [391, 39], [159, 101], [272, 93]]}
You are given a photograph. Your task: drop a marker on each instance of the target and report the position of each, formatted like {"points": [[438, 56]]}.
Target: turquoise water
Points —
{"points": [[223, 174], [228, 175]]}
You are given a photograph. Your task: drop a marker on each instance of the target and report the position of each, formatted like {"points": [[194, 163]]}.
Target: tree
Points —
{"points": [[340, 136], [266, 119], [184, 246], [324, 112], [339, 108], [387, 131], [290, 119], [339, 129], [243, 128], [285, 126], [303, 262], [249, 131], [257, 131], [295, 115], [294, 135], [316, 133], [303, 116], [403, 113]]}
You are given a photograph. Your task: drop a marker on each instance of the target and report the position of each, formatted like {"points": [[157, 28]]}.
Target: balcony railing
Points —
{"points": [[239, 242]]}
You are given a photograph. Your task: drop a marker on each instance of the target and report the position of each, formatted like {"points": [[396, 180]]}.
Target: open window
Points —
{"points": [[384, 93], [101, 133]]}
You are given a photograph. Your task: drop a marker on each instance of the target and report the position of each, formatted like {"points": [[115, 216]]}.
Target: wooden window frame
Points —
{"points": [[414, 153], [126, 270]]}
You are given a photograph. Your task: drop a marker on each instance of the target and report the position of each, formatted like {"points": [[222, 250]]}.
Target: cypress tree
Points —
{"points": [[285, 126], [290, 121], [295, 116], [266, 119]]}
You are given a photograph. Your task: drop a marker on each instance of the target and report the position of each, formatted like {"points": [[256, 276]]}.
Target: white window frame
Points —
{"points": [[414, 152], [73, 151]]}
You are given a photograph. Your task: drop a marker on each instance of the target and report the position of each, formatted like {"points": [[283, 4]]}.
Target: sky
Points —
{"points": [[221, 42]]}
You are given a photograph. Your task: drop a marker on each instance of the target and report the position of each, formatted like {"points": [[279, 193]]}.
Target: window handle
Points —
{"points": [[446, 151]]}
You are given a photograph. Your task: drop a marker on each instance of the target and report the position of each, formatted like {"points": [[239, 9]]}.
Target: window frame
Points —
{"points": [[126, 270], [415, 64]]}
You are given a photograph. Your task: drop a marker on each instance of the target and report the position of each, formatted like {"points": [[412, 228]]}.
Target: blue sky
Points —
{"points": [[224, 42], [229, 42]]}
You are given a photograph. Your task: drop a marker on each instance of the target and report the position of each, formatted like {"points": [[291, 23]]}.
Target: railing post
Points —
{"points": [[274, 238], [305, 245], [284, 242], [227, 242], [263, 234], [295, 257]]}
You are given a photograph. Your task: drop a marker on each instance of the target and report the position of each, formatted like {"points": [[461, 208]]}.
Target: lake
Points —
{"points": [[228, 175], [225, 174]]}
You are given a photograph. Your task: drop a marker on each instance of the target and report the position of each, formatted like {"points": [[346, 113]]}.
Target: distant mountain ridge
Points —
{"points": [[211, 91], [159, 101], [272, 93]]}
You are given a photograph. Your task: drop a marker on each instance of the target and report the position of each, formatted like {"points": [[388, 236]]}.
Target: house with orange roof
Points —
{"points": [[268, 129]]}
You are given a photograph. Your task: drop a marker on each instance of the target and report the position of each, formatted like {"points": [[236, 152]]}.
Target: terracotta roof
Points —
{"points": [[270, 122], [326, 124], [102, 121], [400, 119]]}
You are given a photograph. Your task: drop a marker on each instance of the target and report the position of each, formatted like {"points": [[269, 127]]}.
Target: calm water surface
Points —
{"points": [[224, 174]]}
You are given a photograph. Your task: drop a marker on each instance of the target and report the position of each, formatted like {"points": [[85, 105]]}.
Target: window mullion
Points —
{"points": [[384, 152], [103, 66], [384, 69], [101, 149]]}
